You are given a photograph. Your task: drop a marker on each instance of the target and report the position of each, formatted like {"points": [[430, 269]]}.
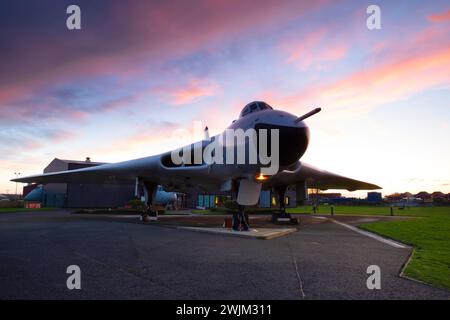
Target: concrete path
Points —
{"points": [[123, 260]]}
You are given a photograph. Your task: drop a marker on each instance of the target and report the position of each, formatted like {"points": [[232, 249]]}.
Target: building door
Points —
{"points": [[55, 200], [264, 199]]}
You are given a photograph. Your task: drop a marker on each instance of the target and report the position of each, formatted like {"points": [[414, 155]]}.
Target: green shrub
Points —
{"points": [[11, 204], [230, 205], [136, 204]]}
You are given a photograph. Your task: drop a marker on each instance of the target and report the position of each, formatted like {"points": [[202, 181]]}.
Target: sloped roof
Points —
{"points": [[80, 161]]}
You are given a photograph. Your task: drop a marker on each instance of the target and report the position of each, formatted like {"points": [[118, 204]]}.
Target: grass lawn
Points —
{"points": [[356, 210], [430, 236], [5, 210]]}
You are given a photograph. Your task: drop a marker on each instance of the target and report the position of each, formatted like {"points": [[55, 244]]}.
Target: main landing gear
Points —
{"points": [[148, 214], [282, 217]]}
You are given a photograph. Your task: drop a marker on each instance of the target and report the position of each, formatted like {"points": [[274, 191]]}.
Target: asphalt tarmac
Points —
{"points": [[125, 259]]}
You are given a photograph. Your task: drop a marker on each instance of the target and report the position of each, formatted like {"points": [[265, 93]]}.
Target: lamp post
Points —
{"points": [[17, 174]]}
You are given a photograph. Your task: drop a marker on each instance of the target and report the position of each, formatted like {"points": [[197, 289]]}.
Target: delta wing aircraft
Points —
{"points": [[204, 165]]}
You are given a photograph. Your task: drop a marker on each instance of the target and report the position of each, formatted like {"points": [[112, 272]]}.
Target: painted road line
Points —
{"points": [[372, 235], [259, 233]]}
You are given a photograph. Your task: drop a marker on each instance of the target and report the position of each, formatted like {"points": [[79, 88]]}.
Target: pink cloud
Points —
{"points": [[314, 49], [302, 51], [143, 35], [62, 136], [334, 53], [440, 17]]}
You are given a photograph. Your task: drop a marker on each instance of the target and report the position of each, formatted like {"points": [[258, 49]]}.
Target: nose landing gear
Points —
{"points": [[246, 192], [240, 220]]}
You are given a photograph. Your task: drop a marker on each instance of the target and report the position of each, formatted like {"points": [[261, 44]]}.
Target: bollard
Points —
{"points": [[392, 211], [332, 210]]}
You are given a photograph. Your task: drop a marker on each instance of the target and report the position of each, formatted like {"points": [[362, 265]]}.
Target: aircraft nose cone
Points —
{"points": [[293, 142]]}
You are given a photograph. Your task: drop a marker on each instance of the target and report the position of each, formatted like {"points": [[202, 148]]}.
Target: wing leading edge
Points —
{"points": [[121, 172], [320, 179], [149, 167]]}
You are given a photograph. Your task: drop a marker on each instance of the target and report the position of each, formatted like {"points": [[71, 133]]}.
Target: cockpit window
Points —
{"points": [[264, 106], [253, 107], [245, 111]]}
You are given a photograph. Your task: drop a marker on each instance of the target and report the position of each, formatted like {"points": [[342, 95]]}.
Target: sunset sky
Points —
{"points": [[138, 71]]}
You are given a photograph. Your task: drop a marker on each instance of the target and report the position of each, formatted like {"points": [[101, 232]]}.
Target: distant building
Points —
{"points": [[203, 199], [423, 195], [436, 197], [325, 197], [374, 197], [267, 199], [75, 195], [395, 197], [439, 197]]}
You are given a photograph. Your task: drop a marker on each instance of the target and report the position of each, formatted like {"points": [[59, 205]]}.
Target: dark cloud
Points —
{"points": [[50, 76], [118, 38]]}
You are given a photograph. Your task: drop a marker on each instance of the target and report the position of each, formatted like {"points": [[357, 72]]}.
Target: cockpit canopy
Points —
{"points": [[253, 107]]}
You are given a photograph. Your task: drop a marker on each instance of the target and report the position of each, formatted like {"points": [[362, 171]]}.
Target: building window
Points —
{"points": [[200, 200], [274, 201]]}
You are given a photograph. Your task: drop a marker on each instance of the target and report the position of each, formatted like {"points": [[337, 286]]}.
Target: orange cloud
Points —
{"points": [[394, 80], [193, 92], [405, 70], [440, 17]]}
